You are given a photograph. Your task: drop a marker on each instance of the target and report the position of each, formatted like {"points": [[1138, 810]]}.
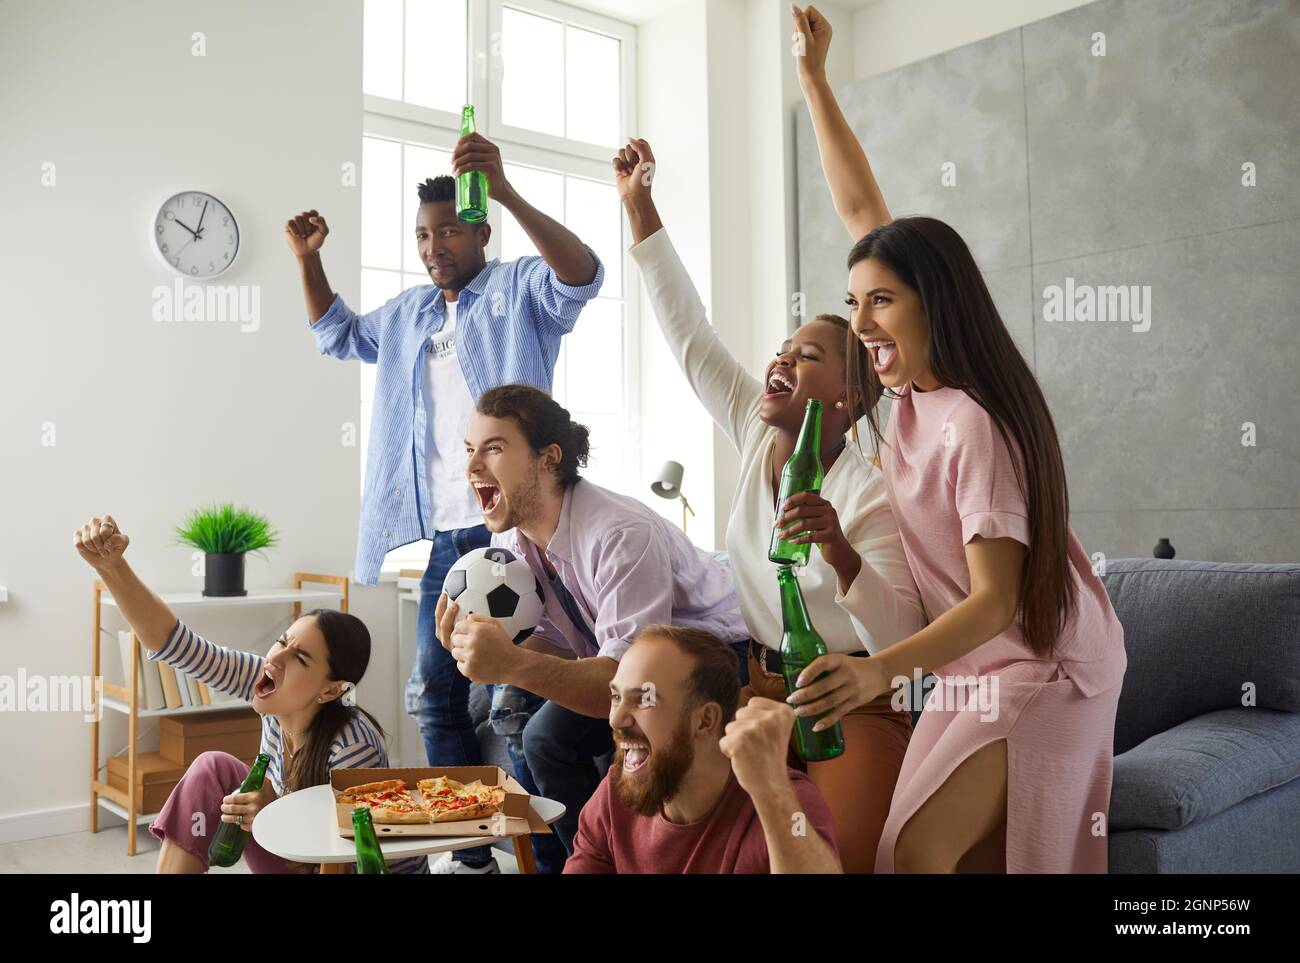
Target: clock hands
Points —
{"points": [[201, 216], [187, 227]]}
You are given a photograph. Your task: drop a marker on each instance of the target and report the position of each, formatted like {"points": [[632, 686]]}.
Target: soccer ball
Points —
{"points": [[493, 581]]}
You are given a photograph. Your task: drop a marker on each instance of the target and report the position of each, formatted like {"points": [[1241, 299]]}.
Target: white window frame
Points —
{"points": [[562, 13], [397, 120]]}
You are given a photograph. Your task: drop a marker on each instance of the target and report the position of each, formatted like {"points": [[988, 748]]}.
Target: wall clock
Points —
{"points": [[196, 234]]}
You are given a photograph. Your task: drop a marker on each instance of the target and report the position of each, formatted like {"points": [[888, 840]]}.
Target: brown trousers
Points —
{"points": [[858, 784]]}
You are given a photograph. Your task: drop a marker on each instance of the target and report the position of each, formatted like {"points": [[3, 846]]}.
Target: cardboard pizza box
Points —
{"points": [[519, 816]]}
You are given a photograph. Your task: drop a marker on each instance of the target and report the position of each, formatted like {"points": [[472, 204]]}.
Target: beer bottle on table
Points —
{"points": [[800, 644], [802, 473], [230, 839], [471, 186], [370, 858]]}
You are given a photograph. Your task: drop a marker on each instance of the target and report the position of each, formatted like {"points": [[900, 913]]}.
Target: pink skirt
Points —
{"points": [[1060, 759], [209, 779]]}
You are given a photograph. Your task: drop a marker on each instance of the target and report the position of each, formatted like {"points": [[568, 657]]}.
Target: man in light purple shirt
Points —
{"points": [[608, 565]]}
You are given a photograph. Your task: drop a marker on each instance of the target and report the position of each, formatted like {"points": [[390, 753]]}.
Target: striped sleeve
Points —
{"points": [[232, 671], [548, 299], [342, 333], [357, 746]]}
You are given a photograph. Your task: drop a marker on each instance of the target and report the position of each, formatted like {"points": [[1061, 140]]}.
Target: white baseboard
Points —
{"points": [[17, 827]]}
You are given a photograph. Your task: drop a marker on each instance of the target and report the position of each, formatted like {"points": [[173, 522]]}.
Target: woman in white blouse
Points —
{"points": [[860, 565]]}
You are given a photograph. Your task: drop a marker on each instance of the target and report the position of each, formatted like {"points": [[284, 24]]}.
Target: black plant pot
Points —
{"points": [[223, 575], [1163, 549]]}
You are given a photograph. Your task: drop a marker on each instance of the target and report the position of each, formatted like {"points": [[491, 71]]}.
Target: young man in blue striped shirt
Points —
{"points": [[438, 348]]}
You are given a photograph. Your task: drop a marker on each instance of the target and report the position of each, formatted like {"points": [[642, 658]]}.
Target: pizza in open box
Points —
{"points": [[449, 801]]}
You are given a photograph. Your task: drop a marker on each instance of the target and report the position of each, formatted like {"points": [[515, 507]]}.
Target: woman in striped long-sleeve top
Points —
{"points": [[302, 688]]}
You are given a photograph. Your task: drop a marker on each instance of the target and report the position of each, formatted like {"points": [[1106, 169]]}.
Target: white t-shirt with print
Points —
{"points": [[448, 406]]}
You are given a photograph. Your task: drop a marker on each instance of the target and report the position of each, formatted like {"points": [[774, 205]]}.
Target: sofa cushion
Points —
{"points": [[1198, 636], [1204, 766]]}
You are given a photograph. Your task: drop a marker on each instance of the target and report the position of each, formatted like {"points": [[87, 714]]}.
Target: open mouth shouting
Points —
{"points": [[266, 683], [883, 353], [779, 382], [635, 755], [489, 496]]}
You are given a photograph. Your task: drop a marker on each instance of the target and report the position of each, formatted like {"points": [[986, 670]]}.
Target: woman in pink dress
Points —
{"points": [[1010, 763]]}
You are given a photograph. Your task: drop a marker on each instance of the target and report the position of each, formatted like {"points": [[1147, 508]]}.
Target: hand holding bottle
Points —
{"points": [[247, 805], [845, 684], [474, 152]]}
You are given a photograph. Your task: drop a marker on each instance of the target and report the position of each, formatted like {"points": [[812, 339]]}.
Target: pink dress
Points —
{"points": [[951, 477]]}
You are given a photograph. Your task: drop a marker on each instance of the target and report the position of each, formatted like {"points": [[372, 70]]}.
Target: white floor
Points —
{"points": [[105, 852]]}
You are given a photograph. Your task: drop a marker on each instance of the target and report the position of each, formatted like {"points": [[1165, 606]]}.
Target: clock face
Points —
{"points": [[196, 234]]}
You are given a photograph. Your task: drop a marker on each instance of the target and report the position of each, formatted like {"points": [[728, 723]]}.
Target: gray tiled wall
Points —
{"points": [[1120, 170]]}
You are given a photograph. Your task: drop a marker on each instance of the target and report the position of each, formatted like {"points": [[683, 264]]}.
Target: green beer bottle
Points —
{"points": [[800, 644], [802, 473], [230, 839], [370, 858], [471, 186]]}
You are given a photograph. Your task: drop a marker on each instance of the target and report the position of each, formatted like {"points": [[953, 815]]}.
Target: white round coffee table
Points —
{"points": [[300, 827]]}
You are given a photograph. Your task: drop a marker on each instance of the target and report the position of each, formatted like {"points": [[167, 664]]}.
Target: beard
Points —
{"points": [[655, 783], [523, 503], [461, 280]]}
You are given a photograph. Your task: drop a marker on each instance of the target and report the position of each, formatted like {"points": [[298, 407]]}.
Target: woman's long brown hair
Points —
{"points": [[347, 644], [972, 351]]}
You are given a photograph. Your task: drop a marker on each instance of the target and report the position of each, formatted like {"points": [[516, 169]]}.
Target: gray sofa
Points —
{"points": [[1202, 783]]}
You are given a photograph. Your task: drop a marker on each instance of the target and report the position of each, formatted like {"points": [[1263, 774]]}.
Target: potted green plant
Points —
{"points": [[225, 534]]}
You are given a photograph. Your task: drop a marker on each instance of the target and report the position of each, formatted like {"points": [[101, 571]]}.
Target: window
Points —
{"points": [[552, 87]]}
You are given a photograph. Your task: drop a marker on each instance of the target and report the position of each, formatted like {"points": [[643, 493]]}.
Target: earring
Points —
{"points": [[839, 404]]}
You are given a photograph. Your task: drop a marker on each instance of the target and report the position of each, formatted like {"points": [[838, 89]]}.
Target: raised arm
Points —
{"points": [[101, 544], [559, 247], [727, 391], [854, 191], [756, 742], [306, 232], [339, 332]]}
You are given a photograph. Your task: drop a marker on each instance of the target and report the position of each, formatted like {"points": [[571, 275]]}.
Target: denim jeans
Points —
{"points": [[437, 695]]}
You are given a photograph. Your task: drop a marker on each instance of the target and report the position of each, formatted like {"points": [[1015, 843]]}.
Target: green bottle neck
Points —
{"points": [[467, 120], [808, 446], [794, 614], [257, 775]]}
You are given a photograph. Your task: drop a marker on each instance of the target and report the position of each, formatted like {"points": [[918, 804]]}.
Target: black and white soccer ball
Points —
{"points": [[494, 581]]}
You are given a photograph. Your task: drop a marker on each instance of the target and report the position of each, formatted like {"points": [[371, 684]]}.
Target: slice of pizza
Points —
{"points": [[403, 809], [453, 801], [354, 793], [439, 787]]}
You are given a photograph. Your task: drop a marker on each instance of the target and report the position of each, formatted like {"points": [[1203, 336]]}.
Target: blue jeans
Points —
{"points": [[437, 695]]}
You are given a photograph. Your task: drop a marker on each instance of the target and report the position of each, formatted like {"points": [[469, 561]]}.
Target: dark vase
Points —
{"points": [[1163, 549], [223, 575]]}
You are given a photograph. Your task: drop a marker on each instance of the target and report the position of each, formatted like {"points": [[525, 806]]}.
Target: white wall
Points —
{"points": [[890, 33], [673, 111], [152, 419], [717, 94]]}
